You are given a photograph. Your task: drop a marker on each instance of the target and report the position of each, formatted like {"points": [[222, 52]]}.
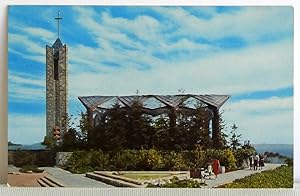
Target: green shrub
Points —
{"points": [[289, 162], [145, 160], [200, 157], [79, 162], [243, 154], [99, 160], [30, 168], [124, 160], [215, 154], [229, 160], [149, 160], [226, 157], [174, 161]]}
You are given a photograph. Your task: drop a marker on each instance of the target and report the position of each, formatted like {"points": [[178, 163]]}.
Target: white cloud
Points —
{"points": [[249, 23], [146, 28], [37, 32], [37, 58], [25, 87], [102, 32], [25, 78], [184, 45], [29, 45], [273, 104], [262, 121], [29, 42], [257, 68], [26, 128]]}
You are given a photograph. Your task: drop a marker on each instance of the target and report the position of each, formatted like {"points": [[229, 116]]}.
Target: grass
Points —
{"points": [[144, 176], [281, 177]]}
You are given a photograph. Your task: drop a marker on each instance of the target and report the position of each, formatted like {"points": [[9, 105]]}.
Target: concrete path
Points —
{"points": [[74, 180], [231, 176], [12, 168], [79, 180]]}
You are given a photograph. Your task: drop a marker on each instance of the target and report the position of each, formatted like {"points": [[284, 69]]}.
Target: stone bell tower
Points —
{"points": [[56, 86]]}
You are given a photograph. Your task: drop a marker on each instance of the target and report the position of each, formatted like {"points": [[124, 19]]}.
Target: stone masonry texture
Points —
{"points": [[56, 90]]}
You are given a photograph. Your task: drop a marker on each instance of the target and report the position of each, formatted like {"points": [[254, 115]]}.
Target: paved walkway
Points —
{"points": [[74, 180], [79, 180], [231, 176], [12, 168]]}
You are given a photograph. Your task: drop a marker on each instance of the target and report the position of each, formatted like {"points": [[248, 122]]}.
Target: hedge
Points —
{"points": [[147, 160]]}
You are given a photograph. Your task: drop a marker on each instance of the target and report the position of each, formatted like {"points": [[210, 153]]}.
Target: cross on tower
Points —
{"points": [[58, 18]]}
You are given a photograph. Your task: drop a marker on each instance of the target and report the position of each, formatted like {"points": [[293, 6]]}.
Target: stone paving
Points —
{"points": [[74, 180], [79, 180], [12, 168], [231, 176]]}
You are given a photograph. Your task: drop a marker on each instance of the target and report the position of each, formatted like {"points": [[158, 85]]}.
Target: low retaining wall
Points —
{"points": [[42, 158], [62, 158]]}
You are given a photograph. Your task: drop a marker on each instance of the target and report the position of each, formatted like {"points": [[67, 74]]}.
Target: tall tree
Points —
{"points": [[234, 138], [223, 131], [116, 129], [140, 132], [200, 128], [162, 137]]}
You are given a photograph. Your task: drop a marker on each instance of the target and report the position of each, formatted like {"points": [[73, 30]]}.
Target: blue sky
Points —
{"points": [[245, 52]]}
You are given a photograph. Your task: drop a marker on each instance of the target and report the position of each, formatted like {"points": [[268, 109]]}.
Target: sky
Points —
{"points": [[244, 52]]}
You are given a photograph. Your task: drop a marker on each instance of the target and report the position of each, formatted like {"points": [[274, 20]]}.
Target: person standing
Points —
{"points": [[256, 160], [216, 167], [261, 161], [251, 162]]}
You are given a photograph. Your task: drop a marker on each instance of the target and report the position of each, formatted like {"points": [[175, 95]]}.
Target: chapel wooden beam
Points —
{"points": [[216, 132]]}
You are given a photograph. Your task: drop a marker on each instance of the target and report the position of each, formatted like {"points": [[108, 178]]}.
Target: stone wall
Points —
{"points": [[31, 157], [62, 158], [56, 91], [50, 92]]}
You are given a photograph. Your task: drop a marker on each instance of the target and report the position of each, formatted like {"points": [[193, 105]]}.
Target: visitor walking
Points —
{"points": [[216, 167], [251, 162], [261, 161], [255, 161]]}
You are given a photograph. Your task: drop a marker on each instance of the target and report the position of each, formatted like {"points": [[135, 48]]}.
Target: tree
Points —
{"points": [[162, 137], [70, 140], [235, 138], [84, 127], [182, 133], [116, 129], [200, 128], [140, 132], [50, 142]]}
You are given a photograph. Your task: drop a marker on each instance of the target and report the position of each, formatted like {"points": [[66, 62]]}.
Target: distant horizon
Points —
{"points": [[272, 144], [42, 142]]}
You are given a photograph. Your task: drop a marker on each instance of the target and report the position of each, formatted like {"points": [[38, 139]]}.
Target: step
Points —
{"points": [[55, 181], [42, 183], [47, 181], [118, 177], [111, 181]]}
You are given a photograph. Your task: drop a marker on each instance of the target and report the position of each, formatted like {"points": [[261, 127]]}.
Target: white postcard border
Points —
{"points": [[86, 191]]}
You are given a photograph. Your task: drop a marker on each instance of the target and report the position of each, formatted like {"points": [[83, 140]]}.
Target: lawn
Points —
{"points": [[144, 176], [281, 177]]}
